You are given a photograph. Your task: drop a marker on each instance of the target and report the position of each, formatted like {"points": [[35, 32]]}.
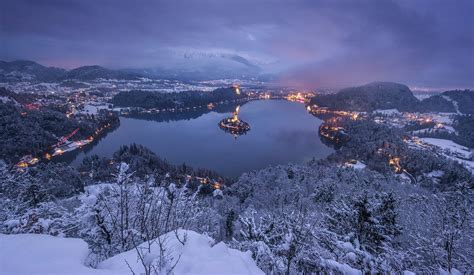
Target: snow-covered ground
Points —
{"points": [[6, 99], [343, 268], [387, 112], [197, 256], [454, 151], [93, 109], [445, 118], [446, 144], [437, 129], [435, 175], [357, 165], [43, 254]]}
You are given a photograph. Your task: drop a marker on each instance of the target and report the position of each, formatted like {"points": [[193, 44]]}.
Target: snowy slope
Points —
{"points": [[197, 257], [44, 254], [446, 144], [455, 103], [455, 151], [7, 99], [387, 112]]}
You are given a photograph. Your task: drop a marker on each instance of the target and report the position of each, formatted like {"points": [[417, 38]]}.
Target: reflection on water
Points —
{"points": [[282, 132]]}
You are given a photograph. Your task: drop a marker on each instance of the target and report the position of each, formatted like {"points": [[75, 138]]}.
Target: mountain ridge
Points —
{"points": [[26, 70], [234, 66], [369, 97]]}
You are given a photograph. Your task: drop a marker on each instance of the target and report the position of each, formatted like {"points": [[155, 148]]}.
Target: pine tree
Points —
{"points": [[229, 224]]}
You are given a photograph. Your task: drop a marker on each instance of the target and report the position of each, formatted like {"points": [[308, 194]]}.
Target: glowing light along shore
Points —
{"points": [[234, 125]]}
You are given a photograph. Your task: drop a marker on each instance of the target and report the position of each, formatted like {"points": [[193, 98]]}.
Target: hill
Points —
{"points": [[387, 95], [456, 101], [462, 100], [437, 103], [96, 72], [370, 97], [192, 67], [23, 70]]}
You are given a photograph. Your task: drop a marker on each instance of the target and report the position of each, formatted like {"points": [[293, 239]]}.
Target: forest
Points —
{"points": [[32, 132], [149, 100], [306, 218], [376, 144]]}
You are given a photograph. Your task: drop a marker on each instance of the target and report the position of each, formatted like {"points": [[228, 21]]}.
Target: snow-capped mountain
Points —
{"points": [[202, 65]]}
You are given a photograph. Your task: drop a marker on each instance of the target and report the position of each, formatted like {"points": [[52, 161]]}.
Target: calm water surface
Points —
{"points": [[281, 132]]}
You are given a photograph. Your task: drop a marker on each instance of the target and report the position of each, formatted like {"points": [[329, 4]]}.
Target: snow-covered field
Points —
{"points": [[446, 144], [44, 254], [455, 151], [387, 112], [445, 118], [358, 165]]}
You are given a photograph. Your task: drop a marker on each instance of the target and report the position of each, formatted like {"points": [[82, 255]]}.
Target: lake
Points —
{"points": [[281, 132]]}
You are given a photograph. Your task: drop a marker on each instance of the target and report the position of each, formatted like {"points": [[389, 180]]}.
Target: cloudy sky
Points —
{"points": [[310, 43]]}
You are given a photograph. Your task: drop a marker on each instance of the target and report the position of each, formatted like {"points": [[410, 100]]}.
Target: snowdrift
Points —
{"points": [[43, 254], [197, 256]]}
